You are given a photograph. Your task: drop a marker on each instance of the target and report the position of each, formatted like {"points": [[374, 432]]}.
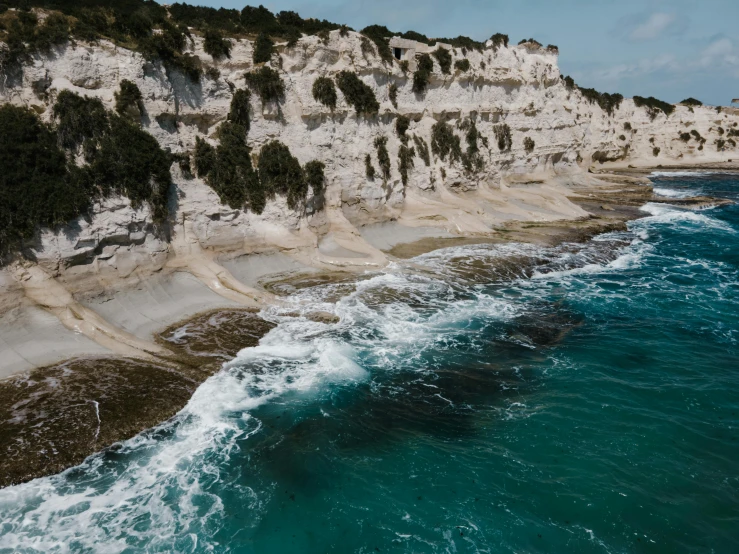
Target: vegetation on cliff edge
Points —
{"points": [[267, 83], [653, 106], [357, 93], [324, 91], [422, 75], [41, 184]]}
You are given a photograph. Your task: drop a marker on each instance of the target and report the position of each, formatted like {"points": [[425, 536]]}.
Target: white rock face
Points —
{"points": [[518, 86]]}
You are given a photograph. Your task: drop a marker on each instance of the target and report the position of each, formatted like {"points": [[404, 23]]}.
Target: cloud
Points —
{"points": [[646, 26], [666, 63], [720, 54], [653, 27]]}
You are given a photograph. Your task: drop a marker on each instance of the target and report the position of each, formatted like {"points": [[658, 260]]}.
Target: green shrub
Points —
{"points": [[263, 48], [216, 45], [167, 47], [25, 37], [553, 49], [128, 100], [653, 106], [202, 18], [53, 32], [204, 157], [315, 177], [380, 34], [461, 42], [324, 91], [444, 142], [685, 137], [471, 136], [392, 93], [259, 20], [79, 120], [213, 73], [422, 75], [324, 36], [189, 65], [232, 176], [531, 41], [471, 159], [402, 123], [720, 131], [405, 162], [503, 136], [91, 25], [36, 187], [569, 82], [529, 145], [609, 103], [656, 151], [280, 173], [462, 65], [404, 66], [691, 102], [418, 37], [383, 158], [422, 149], [267, 83], [720, 143], [121, 157], [627, 126], [357, 94], [369, 169], [130, 162], [292, 37], [366, 46], [499, 40], [444, 58], [621, 137], [240, 108]]}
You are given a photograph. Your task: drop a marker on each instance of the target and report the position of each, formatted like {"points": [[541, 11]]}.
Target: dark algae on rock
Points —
{"points": [[56, 416]]}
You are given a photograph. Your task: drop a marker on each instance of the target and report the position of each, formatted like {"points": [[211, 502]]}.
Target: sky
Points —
{"points": [[670, 49]]}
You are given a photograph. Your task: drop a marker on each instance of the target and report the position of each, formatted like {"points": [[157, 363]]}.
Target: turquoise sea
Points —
{"points": [[493, 398]]}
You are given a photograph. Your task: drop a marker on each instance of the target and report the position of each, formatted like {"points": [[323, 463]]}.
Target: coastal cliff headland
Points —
{"points": [[495, 146]]}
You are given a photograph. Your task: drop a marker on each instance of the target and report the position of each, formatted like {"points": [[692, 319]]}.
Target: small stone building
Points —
{"points": [[406, 49]]}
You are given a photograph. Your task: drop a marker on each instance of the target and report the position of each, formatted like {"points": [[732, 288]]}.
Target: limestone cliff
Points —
{"points": [[556, 135]]}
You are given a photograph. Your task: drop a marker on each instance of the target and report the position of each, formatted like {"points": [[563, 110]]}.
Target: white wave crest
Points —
{"points": [[665, 214], [627, 260], [672, 193], [689, 173]]}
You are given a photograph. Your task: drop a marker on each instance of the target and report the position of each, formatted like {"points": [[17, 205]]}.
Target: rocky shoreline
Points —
{"points": [[98, 401]]}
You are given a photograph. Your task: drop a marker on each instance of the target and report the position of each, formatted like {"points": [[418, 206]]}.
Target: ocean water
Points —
{"points": [[513, 398]]}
